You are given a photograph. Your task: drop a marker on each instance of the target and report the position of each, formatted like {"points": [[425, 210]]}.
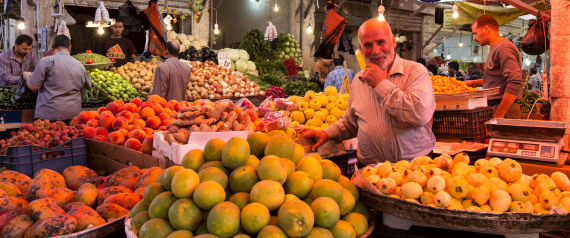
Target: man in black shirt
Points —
{"points": [[117, 47], [453, 68]]}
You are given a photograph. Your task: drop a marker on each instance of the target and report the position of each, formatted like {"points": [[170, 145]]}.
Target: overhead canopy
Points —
{"points": [[468, 12]]}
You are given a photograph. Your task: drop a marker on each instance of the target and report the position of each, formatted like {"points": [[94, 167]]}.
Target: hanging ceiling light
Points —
{"points": [[397, 37], [100, 31], [448, 56], [460, 44], [216, 29], [381, 11], [455, 10], [460, 36], [276, 8], [168, 27], [309, 29], [21, 25], [527, 61]]}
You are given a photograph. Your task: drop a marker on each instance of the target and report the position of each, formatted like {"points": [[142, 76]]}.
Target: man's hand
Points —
{"points": [[27, 75], [319, 136], [373, 74]]}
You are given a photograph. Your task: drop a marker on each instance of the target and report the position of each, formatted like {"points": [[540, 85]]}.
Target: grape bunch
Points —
{"points": [[291, 67], [43, 134], [275, 92]]}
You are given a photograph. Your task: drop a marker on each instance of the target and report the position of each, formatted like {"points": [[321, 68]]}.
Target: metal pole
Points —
{"points": [[211, 23], [560, 64], [301, 26]]}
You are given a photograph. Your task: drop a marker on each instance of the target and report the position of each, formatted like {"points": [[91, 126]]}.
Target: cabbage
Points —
{"points": [[298, 50], [202, 42], [182, 37], [243, 55], [196, 45], [182, 48], [233, 65], [287, 50], [286, 44], [171, 35], [241, 66], [186, 43], [234, 55], [190, 37], [250, 66]]}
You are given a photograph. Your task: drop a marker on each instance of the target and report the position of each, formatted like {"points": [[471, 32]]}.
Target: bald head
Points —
{"points": [[377, 42], [173, 48]]}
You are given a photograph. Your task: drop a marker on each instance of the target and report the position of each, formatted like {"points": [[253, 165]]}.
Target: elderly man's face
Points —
{"points": [[377, 43]]}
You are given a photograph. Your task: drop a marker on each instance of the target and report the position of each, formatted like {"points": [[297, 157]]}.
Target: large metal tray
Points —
{"points": [[98, 66], [99, 231], [471, 94], [532, 130]]}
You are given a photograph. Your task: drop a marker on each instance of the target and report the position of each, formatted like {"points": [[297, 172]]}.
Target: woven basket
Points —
{"points": [[98, 231], [132, 234]]}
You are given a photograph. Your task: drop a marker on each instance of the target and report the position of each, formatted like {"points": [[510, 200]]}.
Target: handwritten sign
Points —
{"points": [[224, 60], [467, 59]]}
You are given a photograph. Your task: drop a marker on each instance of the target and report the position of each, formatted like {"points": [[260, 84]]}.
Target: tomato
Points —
{"points": [[89, 61], [88, 51], [113, 60]]}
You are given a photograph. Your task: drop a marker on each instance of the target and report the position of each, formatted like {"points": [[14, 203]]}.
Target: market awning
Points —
{"points": [[468, 12]]}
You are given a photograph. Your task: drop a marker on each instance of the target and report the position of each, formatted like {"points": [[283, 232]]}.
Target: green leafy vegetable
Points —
{"points": [[300, 87], [254, 43]]}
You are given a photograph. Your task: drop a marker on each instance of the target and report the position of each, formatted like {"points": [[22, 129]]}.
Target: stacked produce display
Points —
{"points": [[204, 54], [492, 185], [210, 81], [92, 97], [52, 204], [131, 124], [113, 85], [186, 41], [41, 133], [7, 100], [240, 60], [140, 74], [226, 190], [318, 110], [91, 58], [288, 48], [447, 85]]}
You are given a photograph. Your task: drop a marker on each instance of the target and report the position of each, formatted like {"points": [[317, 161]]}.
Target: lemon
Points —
{"points": [[298, 116], [316, 122], [340, 104], [330, 90], [324, 100], [315, 104], [345, 97], [303, 106], [320, 115], [331, 119], [332, 98], [310, 95], [295, 123], [325, 111], [336, 113], [330, 106], [293, 98], [291, 133], [309, 113]]}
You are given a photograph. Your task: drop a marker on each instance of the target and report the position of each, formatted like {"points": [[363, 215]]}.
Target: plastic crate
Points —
{"points": [[342, 162], [28, 159], [462, 124]]}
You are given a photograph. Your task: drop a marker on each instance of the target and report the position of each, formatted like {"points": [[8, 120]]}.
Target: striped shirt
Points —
{"points": [[392, 120], [335, 77], [11, 68]]}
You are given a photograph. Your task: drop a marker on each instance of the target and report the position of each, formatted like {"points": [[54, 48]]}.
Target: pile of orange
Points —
{"points": [[447, 85]]}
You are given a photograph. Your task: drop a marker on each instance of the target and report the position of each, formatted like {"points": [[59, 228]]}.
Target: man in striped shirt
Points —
{"points": [[17, 62], [390, 105]]}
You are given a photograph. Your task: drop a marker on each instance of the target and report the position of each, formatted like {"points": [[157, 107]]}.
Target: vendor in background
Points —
{"points": [[453, 68], [59, 79], [390, 105], [117, 47], [476, 74], [503, 68], [335, 77], [534, 80], [432, 69], [321, 69], [17, 62], [470, 68], [171, 77]]}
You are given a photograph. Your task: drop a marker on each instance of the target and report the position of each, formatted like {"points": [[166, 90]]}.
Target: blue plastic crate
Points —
{"points": [[28, 159]]}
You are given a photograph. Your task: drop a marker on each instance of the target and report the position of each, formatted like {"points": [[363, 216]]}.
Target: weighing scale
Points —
{"points": [[526, 139]]}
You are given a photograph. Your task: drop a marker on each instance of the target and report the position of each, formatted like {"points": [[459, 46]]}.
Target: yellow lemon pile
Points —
{"points": [[446, 85], [318, 110]]}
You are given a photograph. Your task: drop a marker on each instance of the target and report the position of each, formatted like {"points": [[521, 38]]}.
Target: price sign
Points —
{"points": [[224, 60], [467, 59]]}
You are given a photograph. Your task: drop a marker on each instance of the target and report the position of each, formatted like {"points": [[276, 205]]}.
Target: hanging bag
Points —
{"points": [[23, 93], [536, 41]]}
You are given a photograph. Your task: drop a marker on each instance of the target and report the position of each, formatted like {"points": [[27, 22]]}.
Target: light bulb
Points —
{"points": [[216, 29], [100, 31], [381, 13], [309, 29], [455, 11], [397, 38], [527, 62], [276, 8], [448, 56], [460, 44], [21, 25], [168, 27]]}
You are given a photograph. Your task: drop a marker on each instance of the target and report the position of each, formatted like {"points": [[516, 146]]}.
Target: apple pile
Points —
{"points": [[131, 124], [41, 133]]}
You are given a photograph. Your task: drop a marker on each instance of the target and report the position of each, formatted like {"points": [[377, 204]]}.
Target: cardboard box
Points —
{"points": [[107, 158], [175, 152]]}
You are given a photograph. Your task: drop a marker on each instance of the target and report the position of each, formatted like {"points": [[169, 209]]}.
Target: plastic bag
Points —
{"points": [[535, 41], [23, 93], [284, 104], [245, 104], [276, 124], [265, 107]]}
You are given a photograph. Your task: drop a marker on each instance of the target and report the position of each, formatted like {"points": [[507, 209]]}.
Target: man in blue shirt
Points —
{"points": [[335, 77]]}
